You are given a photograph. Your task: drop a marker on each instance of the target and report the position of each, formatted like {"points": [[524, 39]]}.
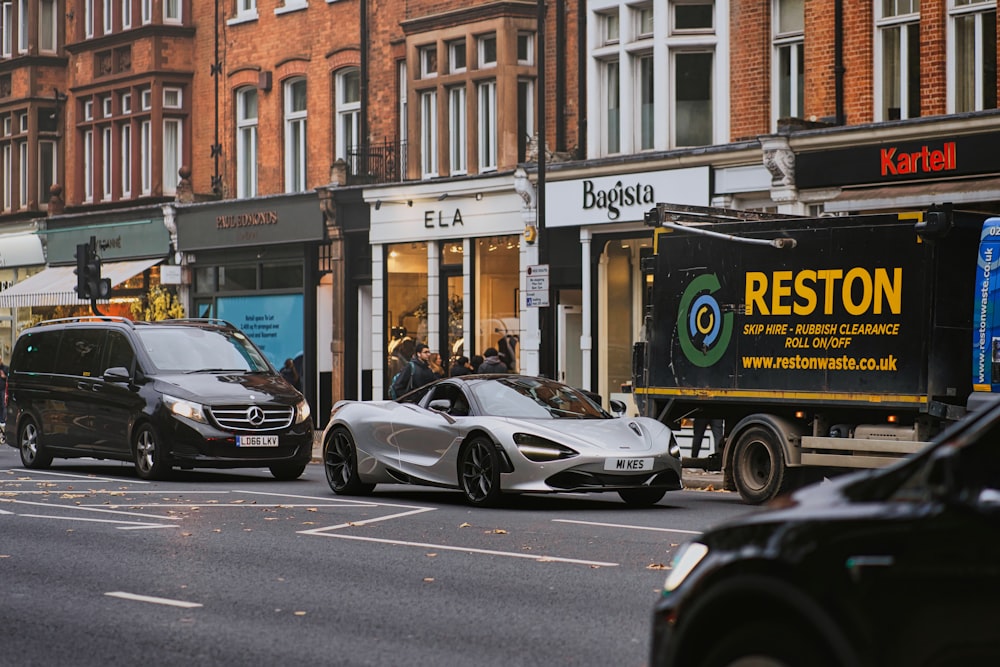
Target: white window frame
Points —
{"points": [[246, 144], [107, 165], [486, 94], [903, 22], [792, 42], [8, 125], [295, 139], [146, 157], [146, 99], [126, 102], [977, 9], [7, 17], [428, 134], [8, 177], [427, 57], [456, 47], [22, 122], [126, 14], [530, 56], [88, 110], [404, 119], [483, 59], [611, 128], [458, 134], [673, 98], [106, 106], [107, 17], [528, 87], [88, 166], [48, 28], [173, 98], [246, 9], [47, 153], [173, 160], [125, 138], [348, 119], [22, 149], [22, 26], [645, 136], [172, 11], [146, 11]]}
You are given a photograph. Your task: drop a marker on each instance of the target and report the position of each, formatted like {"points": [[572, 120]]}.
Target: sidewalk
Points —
{"points": [[693, 478]]}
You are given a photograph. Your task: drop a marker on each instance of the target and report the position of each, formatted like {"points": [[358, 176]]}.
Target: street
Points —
{"points": [[234, 567]]}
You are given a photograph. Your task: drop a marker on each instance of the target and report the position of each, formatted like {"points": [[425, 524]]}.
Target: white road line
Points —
{"points": [[80, 508], [81, 518], [346, 502], [488, 552], [322, 531], [622, 525], [29, 471], [154, 600]]}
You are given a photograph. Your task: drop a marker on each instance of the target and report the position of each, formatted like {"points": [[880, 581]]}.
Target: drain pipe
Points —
{"points": [[838, 58]]}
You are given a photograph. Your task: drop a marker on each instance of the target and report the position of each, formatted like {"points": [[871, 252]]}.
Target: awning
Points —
{"points": [[21, 250], [56, 285], [917, 195]]}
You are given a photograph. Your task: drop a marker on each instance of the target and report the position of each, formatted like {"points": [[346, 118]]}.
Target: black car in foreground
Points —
{"points": [[895, 566]]}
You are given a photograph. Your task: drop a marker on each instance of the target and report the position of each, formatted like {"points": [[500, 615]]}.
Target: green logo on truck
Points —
{"points": [[703, 330]]}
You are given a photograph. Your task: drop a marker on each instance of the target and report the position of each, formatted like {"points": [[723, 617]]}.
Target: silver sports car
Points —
{"points": [[494, 434]]}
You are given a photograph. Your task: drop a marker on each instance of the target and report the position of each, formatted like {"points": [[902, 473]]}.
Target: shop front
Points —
{"points": [[253, 263], [21, 255], [446, 271], [597, 324], [130, 243]]}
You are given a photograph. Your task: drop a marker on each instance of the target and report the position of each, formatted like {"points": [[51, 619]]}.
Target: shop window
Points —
{"points": [[281, 275], [237, 278], [406, 302], [496, 296]]}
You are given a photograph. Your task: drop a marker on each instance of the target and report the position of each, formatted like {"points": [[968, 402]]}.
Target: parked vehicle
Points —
{"points": [[825, 344], [895, 566], [185, 393], [490, 435]]}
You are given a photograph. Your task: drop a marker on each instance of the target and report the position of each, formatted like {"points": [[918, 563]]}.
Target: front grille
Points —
{"points": [[238, 417]]}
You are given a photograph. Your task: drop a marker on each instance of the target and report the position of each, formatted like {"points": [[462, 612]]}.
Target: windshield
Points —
{"points": [[534, 398], [176, 349]]}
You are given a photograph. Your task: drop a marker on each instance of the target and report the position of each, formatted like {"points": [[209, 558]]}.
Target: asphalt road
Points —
{"points": [[222, 568]]}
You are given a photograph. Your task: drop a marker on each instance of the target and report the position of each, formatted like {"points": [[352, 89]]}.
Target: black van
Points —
{"points": [[186, 393]]}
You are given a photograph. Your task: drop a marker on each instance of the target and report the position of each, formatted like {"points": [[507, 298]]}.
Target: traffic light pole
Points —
{"points": [[89, 283]]}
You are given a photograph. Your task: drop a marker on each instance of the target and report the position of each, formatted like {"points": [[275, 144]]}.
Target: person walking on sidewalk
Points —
{"points": [[415, 374]]}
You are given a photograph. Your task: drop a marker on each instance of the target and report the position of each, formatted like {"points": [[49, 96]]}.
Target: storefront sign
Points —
{"points": [[623, 198], [393, 221], [292, 218], [900, 161], [119, 240]]}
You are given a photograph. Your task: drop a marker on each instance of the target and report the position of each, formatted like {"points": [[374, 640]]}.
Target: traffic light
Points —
{"points": [[89, 284]]}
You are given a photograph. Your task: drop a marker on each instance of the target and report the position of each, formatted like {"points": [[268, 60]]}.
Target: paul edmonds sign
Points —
{"points": [[246, 220]]}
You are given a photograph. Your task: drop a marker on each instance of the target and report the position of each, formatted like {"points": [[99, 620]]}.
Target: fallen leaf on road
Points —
{"points": [[431, 555], [428, 579], [466, 525], [657, 566], [73, 495], [300, 613], [311, 509], [496, 531]]}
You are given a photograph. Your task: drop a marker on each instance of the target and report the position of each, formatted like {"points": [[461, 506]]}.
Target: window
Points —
{"points": [[106, 167], [428, 61], [525, 116], [974, 69], [126, 13], [172, 98], [457, 135], [22, 26], [898, 26], [146, 99], [487, 126], [8, 177], [610, 93], [173, 156], [610, 29], [693, 15], [146, 157], [172, 11], [106, 22], [487, 50], [646, 88], [349, 116], [47, 169], [48, 28], [403, 108], [644, 21], [525, 48], [146, 11], [126, 102], [692, 99], [246, 142], [456, 56], [88, 166], [428, 134], [106, 106], [7, 17], [295, 135], [22, 149], [126, 153], [88, 110], [789, 26], [88, 18], [7, 125], [246, 8]]}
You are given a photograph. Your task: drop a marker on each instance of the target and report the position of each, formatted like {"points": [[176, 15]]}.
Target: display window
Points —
{"points": [[497, 320], [406, 302]]}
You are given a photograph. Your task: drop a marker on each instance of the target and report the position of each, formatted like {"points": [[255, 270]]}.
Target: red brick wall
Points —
{"points": [[750, 69]]}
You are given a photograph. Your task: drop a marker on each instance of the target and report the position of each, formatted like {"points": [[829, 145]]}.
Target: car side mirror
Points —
{"points": [[618, 407], [440, 405], [117, 374]]}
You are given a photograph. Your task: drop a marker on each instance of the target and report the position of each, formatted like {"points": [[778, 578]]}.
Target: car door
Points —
{"points": [[116, 402], [428, 440], [77, 374]]}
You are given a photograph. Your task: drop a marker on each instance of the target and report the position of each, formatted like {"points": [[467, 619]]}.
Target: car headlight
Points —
{"points": [[541, 450], [684, 562], [302, 411], [674, 449], [182, 408]]}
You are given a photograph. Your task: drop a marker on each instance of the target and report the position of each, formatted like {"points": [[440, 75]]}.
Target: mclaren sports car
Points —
{"points": [[491, 435]]}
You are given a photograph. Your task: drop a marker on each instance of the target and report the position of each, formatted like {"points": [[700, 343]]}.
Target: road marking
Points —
{"points": [[80, 508], [154, 600], [93, 478], [322, 531], [487, 552], [622, 525], [129, 525]]}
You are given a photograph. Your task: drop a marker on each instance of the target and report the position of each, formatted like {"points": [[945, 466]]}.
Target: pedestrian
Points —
{"points": [[416, 373], [477, 361], [290, 373], [435, 364], [3, 391], [700, 424], [460, 367], [491, 362]]}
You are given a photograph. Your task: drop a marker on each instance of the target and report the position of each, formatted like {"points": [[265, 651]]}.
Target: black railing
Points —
{"points": [[383, 162]]}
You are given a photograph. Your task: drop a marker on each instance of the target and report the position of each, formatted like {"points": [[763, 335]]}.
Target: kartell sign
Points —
{"points": [[898, 161]]}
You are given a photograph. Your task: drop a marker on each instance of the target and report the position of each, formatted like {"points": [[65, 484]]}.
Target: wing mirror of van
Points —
{"points": [[117, 374]]}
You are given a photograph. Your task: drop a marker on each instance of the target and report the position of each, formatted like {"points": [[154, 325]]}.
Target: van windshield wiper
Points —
{"points": [[216, 370]]}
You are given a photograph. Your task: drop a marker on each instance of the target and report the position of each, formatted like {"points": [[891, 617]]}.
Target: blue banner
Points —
{"points": [[273, 323]]}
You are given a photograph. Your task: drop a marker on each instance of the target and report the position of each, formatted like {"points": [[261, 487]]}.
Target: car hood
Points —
{"points": [[622, 435], [223, 388]]}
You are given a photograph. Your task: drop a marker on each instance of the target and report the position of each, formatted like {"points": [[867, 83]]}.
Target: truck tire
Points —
{"points": [[758, 465]]}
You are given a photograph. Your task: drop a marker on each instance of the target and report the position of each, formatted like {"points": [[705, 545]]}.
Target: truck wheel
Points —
{"points": [[759, 470]]}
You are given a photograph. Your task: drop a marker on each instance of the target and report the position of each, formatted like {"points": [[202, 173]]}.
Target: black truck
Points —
{"points": [[824, 343]]}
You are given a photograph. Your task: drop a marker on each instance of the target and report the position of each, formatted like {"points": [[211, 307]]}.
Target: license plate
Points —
{"points": [[628, 465], [256, 441]]}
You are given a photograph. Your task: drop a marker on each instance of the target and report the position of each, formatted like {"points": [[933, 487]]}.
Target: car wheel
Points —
{"points": [[759, 470], [479, 472], [151, 460], [288, 471], [646, 497], [765, 644], [340, 459], [33, 455]]}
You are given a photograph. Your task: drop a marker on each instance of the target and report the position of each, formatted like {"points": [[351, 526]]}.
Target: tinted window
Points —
{"points": [[192, 349], [535, 398], [120, 352], [459, 404], [80, 352], [35, 352]]}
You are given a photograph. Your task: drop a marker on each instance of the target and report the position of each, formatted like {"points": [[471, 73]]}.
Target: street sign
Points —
{"points": [[536, 299], [536, 288]]}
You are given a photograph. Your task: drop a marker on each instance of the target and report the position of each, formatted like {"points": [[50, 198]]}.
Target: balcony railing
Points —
{"points": [[381, 162]]}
